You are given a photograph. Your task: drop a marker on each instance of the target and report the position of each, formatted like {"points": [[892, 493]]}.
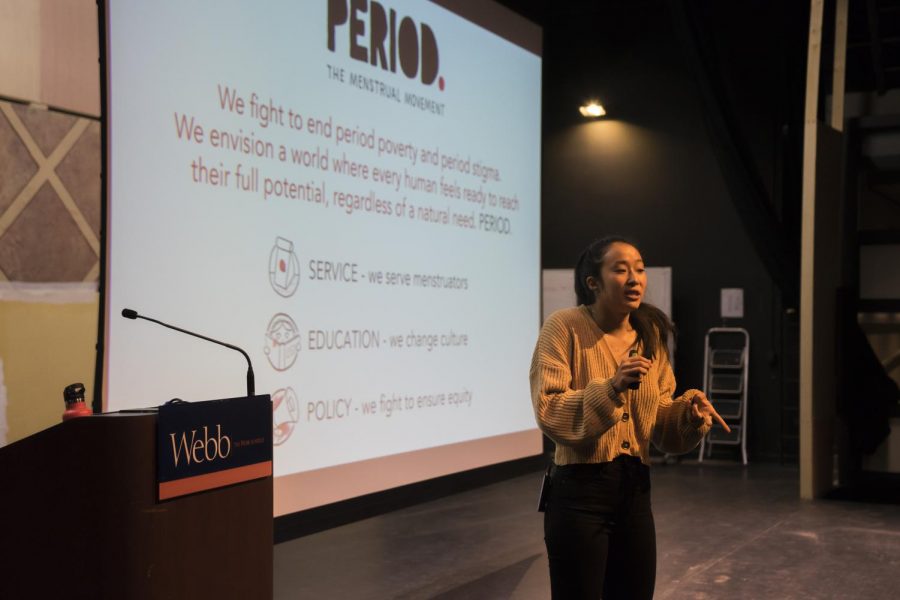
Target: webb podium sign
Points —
{"points": [[206, 445], [89, 490]]}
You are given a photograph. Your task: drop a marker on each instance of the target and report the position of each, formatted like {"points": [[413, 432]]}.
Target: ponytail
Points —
{"points": [[584, 268], [653, 329]]}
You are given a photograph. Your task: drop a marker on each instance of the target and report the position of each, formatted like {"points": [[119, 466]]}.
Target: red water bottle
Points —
{"points": [[75, 406]]}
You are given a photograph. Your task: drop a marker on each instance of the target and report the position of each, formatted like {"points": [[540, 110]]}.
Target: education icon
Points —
{"points": [[282, 342]]}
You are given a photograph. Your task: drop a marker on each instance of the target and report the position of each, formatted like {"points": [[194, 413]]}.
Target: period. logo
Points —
{"points": [[378, 37]]}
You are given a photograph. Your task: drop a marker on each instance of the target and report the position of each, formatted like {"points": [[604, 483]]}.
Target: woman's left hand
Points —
{"points": [[702, 411]]}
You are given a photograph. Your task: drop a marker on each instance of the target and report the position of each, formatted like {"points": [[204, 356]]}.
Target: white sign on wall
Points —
{"points": [[732, 303]]}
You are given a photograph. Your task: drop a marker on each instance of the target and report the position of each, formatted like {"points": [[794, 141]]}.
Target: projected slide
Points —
{"points": [[348, 190]]}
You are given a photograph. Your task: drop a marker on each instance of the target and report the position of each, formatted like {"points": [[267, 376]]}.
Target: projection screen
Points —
{"points": [[349, 191]]}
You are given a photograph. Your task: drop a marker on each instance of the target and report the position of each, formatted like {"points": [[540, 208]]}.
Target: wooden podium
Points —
{"points": [[81, 519]]}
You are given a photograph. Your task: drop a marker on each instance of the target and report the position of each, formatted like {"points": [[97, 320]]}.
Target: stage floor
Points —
{"points": [[723, 531]]}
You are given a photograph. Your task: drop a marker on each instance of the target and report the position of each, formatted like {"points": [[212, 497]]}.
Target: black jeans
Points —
{"points": [[599, 531]]}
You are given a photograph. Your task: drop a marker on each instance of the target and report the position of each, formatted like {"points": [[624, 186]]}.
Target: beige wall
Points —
{"points": [[49, 208], [49, 53], [46, 342]]}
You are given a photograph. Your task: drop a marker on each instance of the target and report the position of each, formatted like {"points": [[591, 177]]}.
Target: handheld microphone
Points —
{"points": [[634, 384], [133, 314]]}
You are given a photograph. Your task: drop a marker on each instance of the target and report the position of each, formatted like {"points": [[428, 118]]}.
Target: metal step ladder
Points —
{"points": [[725, 380]]}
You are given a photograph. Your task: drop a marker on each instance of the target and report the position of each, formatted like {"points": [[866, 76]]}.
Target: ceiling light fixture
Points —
{"points": [[592, 110]]}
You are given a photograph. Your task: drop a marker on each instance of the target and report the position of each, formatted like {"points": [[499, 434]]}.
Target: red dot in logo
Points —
{"points": [[282, 266], [441, 83]]}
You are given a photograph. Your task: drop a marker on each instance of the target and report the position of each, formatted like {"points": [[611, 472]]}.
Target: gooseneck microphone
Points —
{"points": [[133, 314]]}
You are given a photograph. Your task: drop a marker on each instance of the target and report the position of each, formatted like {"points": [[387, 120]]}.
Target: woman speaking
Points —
{"points": [[602, 388]]}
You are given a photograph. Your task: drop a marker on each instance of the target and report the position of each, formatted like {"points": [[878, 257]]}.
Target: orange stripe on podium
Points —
{"points": [[200, 483]]}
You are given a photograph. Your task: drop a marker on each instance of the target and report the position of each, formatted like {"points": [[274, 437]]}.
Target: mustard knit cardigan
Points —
{"points": [[577, 407]]}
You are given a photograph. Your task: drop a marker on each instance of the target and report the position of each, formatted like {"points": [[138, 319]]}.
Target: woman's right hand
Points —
{"points": [[630, 370]]}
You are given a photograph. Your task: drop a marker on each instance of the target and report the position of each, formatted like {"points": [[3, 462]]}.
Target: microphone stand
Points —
{"points": [[132, 314]]}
